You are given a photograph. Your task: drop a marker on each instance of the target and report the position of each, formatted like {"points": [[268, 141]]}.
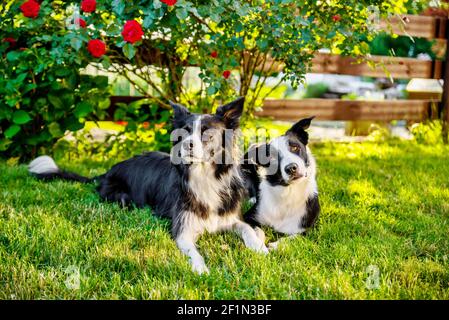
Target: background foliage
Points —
{"points": [[43, 91]]}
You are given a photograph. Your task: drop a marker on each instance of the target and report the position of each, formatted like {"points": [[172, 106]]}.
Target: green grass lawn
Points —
{"points": [[385, 207]]}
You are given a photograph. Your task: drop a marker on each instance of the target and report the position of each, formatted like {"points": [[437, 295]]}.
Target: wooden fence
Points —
{"points": [[432, 28]]}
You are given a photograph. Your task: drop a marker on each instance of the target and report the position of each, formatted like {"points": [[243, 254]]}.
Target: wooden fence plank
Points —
{"points": [[398, 68], [334, 109], [413, 25]]}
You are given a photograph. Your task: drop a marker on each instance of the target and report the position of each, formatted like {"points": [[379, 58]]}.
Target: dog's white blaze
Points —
{"points": [[281, 145], [43, 164], [195, 137], [283, 207]]}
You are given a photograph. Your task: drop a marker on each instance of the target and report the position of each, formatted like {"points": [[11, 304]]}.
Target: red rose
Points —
{"points": [[12, 42], [88, 5], [80, 22], [226, 74], [169, 2], [214, 54], [30, 9], [336, 18], [96, 47], [132, 31]]}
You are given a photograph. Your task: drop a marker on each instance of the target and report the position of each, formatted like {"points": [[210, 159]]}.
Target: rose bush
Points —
{"points": [[96, 48], [30, 9], [152, 43], [88, 5], [132, 31]]}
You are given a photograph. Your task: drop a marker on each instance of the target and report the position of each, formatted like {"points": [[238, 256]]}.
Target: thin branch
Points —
{"points": [[273, 88]]}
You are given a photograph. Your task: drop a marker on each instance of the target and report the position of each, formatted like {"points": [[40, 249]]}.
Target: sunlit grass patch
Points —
{"points": [[384, 209]]}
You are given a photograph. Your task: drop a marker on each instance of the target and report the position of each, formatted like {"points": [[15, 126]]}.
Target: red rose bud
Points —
{"points": [[88, 5], [12, 42], [336, 18], [80, 22], [226, 74], [132, 31], [169, 2], [96, 48], [214, 54], [30, 8]]}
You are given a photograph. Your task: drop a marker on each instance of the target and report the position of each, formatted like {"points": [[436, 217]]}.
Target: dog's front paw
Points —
{"points": [[260, 234], [264, 250], [258, 246], [200, 268]]}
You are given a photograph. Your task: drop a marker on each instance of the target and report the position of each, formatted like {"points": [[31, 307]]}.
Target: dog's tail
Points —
{"points": [[45, 168]]}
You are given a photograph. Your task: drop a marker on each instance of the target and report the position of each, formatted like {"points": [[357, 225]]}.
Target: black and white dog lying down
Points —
{"points": [[280, 177], [198, 186]]}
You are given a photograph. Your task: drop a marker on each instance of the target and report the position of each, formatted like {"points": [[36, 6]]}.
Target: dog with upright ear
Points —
{"points": [[299, 129], [230, 113], [285, 195], [180, 113], [198, 193]]}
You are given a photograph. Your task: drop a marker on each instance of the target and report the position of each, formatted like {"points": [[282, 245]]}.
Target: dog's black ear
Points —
{"points": [[179, 114], [230, 113], [299, 129], [303, 124]]}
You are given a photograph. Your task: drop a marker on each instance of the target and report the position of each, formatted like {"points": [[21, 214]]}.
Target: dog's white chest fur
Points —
{"points": [[207, 188], [283, 207]]}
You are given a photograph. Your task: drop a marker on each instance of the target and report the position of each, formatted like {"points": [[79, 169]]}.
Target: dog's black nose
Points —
{"points": [[188, 145], [291, 169]]}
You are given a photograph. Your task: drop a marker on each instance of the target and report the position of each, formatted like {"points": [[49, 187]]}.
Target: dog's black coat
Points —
{"points": [[153, 180]]}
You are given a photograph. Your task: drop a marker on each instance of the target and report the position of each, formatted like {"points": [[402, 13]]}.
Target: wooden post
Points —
{"points": [[444, 105]]}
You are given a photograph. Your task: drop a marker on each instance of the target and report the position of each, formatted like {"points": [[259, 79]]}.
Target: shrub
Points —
{"points": [[236, 45], [42, 91]]}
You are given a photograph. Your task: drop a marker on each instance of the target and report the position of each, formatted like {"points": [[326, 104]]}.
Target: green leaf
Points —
{"points": [[4, 144], [119, 114], [211, 90], [12, 131], [106, 63], [20, 78], [181, 13], [56, 101], [101, 82], [129, 51], [5, 113], [83, 109], [148, 21], [118, 6], [62, 72], [13, 55], [157, 4], [73, 124], [70, 82], [21, 117], [55, 130], [76, 43]]}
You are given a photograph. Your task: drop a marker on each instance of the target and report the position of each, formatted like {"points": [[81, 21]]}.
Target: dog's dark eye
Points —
{"points": [[188, 128], [294, 148]]}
